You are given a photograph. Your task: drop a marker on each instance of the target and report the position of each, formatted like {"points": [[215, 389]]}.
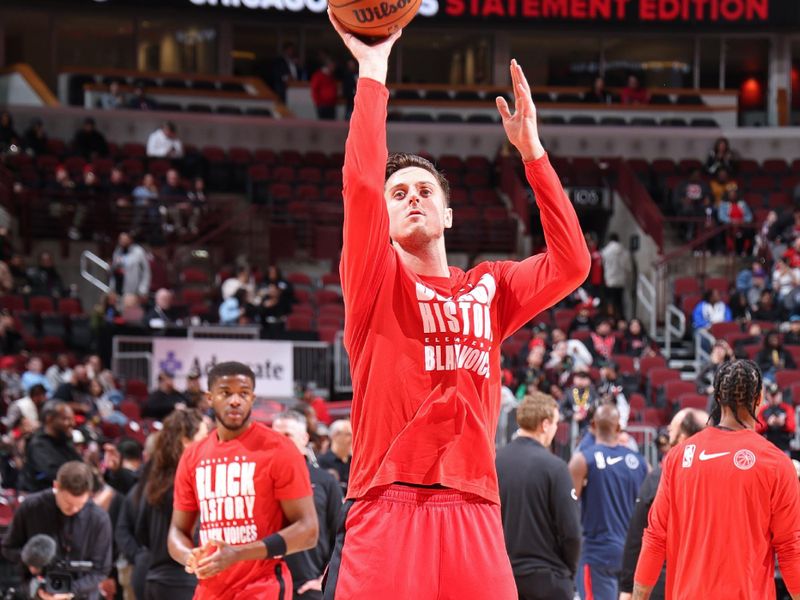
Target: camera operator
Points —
{"points": [[81, 531]]}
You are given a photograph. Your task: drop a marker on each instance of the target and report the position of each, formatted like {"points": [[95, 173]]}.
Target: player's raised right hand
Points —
{"points": [[373, 59]]}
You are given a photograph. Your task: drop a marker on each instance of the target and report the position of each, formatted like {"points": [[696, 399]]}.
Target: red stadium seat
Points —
{"points": [[787, 377], [653, 417], [329, 321], [327, 334], [326, 242], [331, 279], [683, 286], [794, 394], [130, 409], [309, 175], [751, 350], [747, 167], [12, 303], [240, 155], [775, 166], [303, 308], [723, 330], [678, 387], [324, 296], [663, 167], [625, 364], [688, 304], [656, 378], [637, 403], [299, 279], [290, 158], [649, 363], [41, 304], [192, 297], [265, 156], [295, 322], [692, 400], [316, 159], [136, 389], [721, 284]]}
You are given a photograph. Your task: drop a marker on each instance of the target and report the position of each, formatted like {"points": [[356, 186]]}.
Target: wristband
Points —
{"points": [[275, 544]]}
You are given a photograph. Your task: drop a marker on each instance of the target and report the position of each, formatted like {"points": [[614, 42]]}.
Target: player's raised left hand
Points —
{"points": [[521, 127]]}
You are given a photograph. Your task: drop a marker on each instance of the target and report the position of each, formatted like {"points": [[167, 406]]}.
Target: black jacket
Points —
{"points": [[84, 536], [43, 457], [160, 404], [310, 564], [633, 541], [541, 515]]}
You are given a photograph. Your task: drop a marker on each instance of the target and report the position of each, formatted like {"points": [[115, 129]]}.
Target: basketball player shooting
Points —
{"points": [[423, 516]]}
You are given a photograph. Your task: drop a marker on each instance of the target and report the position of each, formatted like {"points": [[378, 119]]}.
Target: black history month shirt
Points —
{"points": [[425, 351], [236, 488]]}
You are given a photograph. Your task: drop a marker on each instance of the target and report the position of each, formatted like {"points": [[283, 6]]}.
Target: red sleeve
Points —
{"points": [[785, 523], [365, 252], [654, 540], [761, 423], [790, 424], [185, 494], [289, 473], [536, 283]]}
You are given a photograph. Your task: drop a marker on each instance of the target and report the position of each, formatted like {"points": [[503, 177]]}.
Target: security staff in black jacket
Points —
{"points": [[684, 424], [307, 567], [540, 511]]}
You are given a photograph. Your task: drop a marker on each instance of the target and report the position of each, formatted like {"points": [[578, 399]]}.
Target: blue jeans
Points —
{"points": [[597, 583]]}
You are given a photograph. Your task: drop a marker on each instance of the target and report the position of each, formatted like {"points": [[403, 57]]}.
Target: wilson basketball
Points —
{"points": [[374, 18]]}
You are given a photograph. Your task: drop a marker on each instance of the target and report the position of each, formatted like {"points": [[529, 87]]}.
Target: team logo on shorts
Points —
{"points": [[632, 461], [744, 460]]}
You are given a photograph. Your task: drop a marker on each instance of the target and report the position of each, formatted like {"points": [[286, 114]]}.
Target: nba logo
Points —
{"points": [[688, 456], [600, 460]]}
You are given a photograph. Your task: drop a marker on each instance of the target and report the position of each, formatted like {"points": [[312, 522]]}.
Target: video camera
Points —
{"points": [[58, 575]]}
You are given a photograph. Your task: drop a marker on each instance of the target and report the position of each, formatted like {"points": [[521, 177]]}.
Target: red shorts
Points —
{"points": [[406, 542], [276, 584]]}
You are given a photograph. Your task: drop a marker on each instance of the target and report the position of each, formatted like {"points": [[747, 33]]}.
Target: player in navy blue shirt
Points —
{"points": [[607, 477]]}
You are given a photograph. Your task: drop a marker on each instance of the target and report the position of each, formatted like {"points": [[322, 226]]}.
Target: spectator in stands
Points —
{"points": [[173, 196], [733, 210], [689, 199], [8, 136], [325, 90], [59, 372], [44, 278], [49, 447], [285, 70], [721, 186], [582, 320], [114, 98], [33, 375], [578, 398], [76, 393], [792, 337], [636, 341], [533, 375], [598, 94], [634, 93], [161, 315], [720, 157], [243, 279], [163, 400], [140, 101], [762, 240], [776, 420], [104, 403], [610, 387], [34, 139], [349, 81], [602, 342], [164, 142], [784, 280], [146, 214], [338, 458], [309, 398], [89, 142], [197, 206], [276, 295], [11, 341], [773, 357], [792, 254], [594, 283], [766, 309], [10, 379], [720, 353], [616, 266], [132, 311], [26, 408], [711, 309], [130, 268], [754, 336], [195, 396], [575, 349], [234, 310], [118, 188]]}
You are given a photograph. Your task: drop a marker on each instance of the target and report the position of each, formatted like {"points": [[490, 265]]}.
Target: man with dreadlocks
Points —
{"points": [[728, 501]]}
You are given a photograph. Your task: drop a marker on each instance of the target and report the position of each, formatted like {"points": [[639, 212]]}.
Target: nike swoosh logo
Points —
{"points": [[704, 456], [613, 461]]}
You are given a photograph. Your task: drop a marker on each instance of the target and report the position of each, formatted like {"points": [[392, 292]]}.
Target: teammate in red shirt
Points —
{"points": [[249, 487], [728, 501], [423, 515]]}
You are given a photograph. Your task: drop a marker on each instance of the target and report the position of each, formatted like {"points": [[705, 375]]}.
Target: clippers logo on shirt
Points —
{"points": [[226, 493], [457, 332]]}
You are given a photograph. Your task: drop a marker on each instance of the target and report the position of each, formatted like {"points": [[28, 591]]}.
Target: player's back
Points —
{"points": [[614, 476], [722, 487]]}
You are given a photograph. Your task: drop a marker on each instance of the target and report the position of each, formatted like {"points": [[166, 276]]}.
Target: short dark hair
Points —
{"points": [[75, 477], [37, 390], [51, 408], [226, 369], [737, 384], [130, 449], [403, 160]]}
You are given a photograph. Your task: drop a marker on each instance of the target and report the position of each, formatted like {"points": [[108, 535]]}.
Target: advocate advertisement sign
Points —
{"points": [[708, 14], [271, 361]]}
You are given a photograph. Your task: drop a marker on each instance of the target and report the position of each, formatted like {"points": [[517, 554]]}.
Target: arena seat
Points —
{"points": [[692, 400], [41, 304], [787, 377]]}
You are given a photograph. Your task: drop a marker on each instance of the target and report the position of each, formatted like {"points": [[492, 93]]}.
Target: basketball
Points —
{"points": [[374, 18]]}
